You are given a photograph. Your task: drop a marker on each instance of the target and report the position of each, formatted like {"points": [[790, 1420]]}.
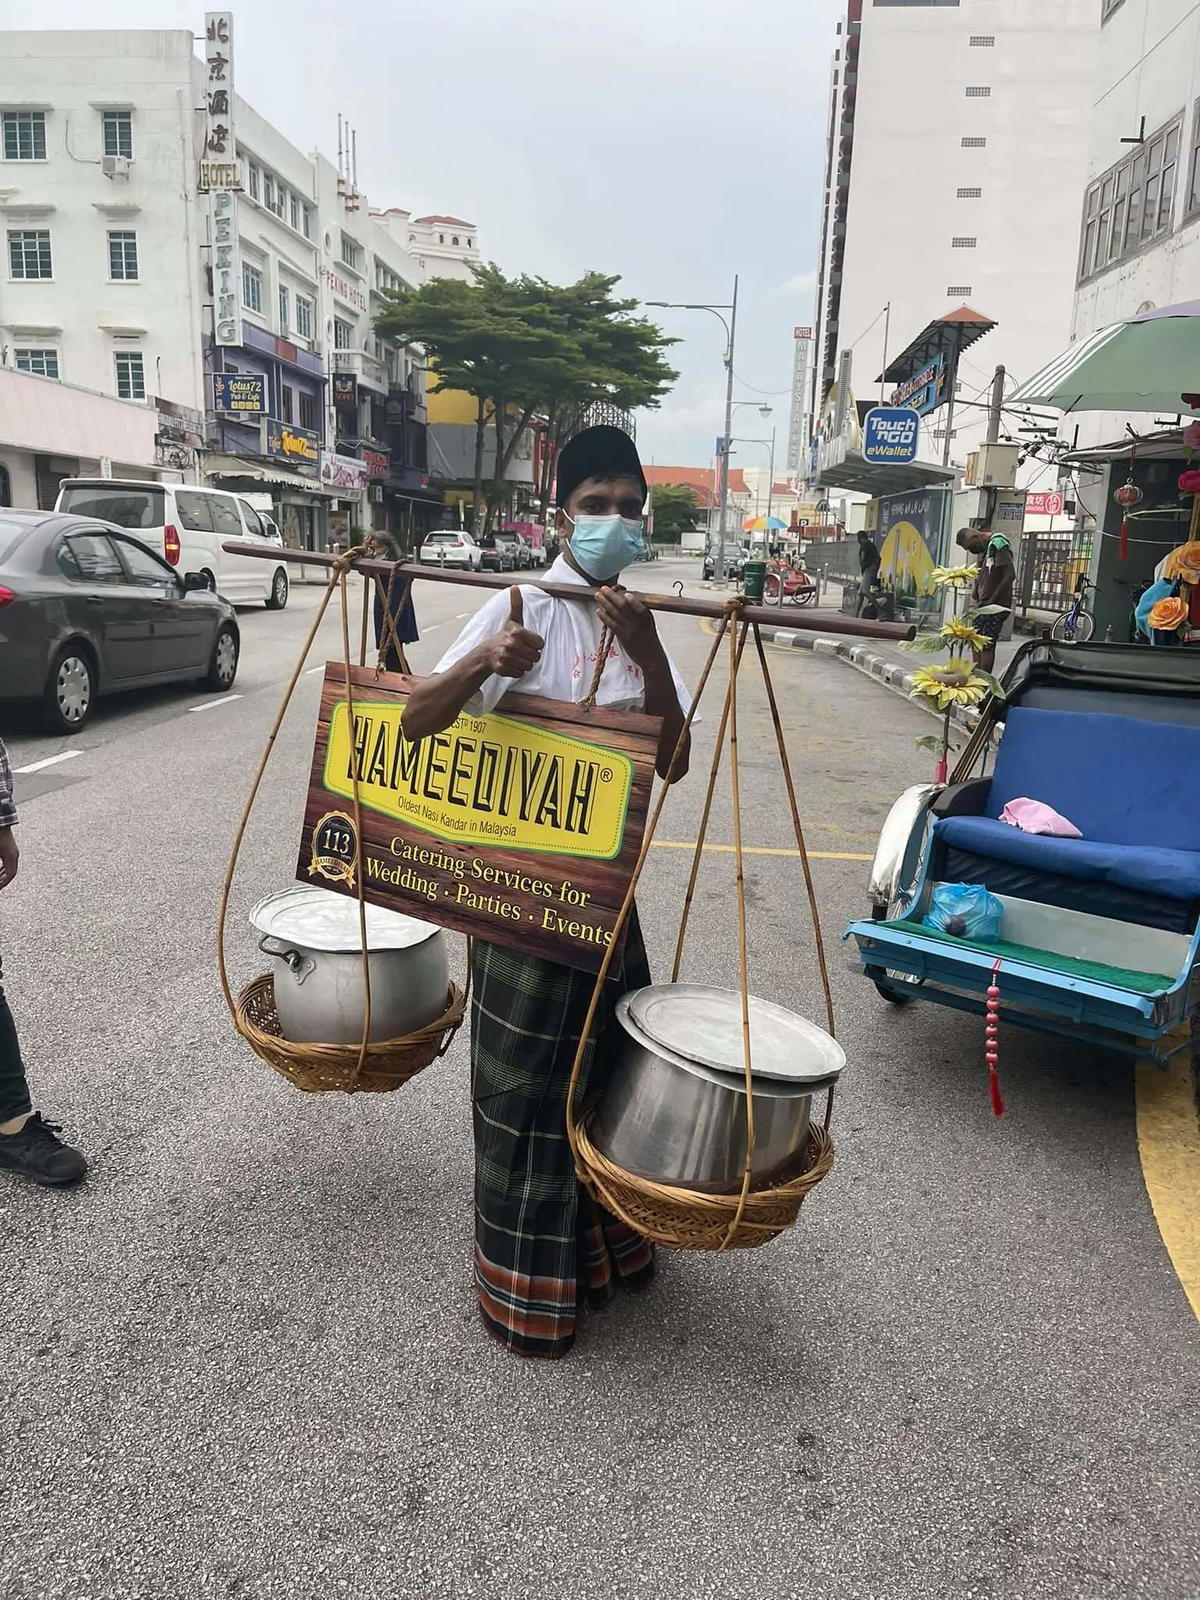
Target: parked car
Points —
{"points": [[86, 610], [452, 547], [735, 560], [518, 551], [187, 527], [494, 554]]}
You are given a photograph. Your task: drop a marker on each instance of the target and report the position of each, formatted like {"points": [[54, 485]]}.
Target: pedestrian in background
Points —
{"points": [[994, 586], [28, 1145], [399, 602]]}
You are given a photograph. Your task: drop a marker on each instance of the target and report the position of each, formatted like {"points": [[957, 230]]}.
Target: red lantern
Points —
{"points": [[1127, 495]]}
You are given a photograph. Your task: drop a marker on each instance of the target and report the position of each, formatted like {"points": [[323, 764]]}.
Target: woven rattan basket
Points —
{"points": [[688, 1219], [321, 1068]]}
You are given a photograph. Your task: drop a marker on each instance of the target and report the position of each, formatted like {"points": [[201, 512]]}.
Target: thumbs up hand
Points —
{"points": [[515, 650]]}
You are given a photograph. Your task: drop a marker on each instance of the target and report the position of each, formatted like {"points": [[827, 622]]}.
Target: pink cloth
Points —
{"points": [[1031, 816]]}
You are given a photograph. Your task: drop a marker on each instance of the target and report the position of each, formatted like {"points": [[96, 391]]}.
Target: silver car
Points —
{"points": [[86, 610]]}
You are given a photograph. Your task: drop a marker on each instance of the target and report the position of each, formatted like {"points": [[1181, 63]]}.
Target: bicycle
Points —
{"points": [[1076, 625]]}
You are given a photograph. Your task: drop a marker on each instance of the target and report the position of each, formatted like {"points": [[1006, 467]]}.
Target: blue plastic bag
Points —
{"points": [[965, 911]]}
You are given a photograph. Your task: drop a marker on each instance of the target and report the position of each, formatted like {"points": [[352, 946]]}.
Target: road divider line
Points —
{"points": [[1168, 1134], [760, 850], [49, 761], [211, 705]]}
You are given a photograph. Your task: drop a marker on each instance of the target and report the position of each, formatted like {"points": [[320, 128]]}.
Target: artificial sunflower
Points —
{"points": [[959, 630], [955, 577], [952, 684], [1166, 616], [1184, 562]]}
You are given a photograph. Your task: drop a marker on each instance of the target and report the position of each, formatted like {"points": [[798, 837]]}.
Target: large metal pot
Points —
{"points": [[674, 1108], [320, 997]]}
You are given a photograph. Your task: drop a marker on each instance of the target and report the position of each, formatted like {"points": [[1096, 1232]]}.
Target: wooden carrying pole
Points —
{"points": [[809, 621]]}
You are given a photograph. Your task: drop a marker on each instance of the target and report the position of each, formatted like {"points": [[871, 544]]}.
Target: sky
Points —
{"points": [[673, 142]]}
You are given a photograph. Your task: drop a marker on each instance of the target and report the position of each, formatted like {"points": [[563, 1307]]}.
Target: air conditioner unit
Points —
{"points": [[115, 166]]}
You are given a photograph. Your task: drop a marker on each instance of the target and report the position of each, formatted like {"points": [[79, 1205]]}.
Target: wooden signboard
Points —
{"points": [[522, 827]]}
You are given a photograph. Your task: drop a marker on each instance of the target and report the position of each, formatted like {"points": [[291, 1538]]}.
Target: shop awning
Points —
{"points": [[877, 477], [237, 467], [1165, 446], [946, 336], [1145, 364]]}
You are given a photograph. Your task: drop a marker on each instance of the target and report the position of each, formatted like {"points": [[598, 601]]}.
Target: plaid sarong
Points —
{"points": [[541, 1241]]}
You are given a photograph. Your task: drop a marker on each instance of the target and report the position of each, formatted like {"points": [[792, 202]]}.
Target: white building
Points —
{"points": [[110, 285], [957, 146]]}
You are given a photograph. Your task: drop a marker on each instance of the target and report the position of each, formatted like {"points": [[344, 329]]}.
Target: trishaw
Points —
{"points": [[1100, 935], [792, 584]]}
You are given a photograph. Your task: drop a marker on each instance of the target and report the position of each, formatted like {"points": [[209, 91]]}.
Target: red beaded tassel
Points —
{"points": [[993, 1041]]}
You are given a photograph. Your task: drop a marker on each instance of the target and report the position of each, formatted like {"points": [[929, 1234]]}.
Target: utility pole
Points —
{"points": [[994, 410], [721, 573]]}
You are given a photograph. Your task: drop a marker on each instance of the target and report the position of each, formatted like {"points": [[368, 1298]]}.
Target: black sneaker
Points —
{"points": [[38, 1153]]}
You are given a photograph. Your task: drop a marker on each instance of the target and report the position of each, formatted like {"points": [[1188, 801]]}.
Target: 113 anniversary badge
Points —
{"points": [[522, 827]]}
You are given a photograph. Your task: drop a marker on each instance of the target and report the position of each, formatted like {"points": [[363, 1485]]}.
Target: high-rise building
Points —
{"points": [[957, 148]]}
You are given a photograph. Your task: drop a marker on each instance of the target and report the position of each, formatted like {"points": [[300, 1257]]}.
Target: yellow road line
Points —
{"points": [[759, 850], [1169, 1146]]}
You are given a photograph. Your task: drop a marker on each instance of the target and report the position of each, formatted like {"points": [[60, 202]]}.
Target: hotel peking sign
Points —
{"points": [[522, 827]]}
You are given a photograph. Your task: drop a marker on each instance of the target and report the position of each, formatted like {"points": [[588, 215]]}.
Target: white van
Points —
{"points": [[187, 526]]}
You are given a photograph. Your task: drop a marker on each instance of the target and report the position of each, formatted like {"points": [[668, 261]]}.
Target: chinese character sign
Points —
{"points": [[891, 435], [220, 168]]}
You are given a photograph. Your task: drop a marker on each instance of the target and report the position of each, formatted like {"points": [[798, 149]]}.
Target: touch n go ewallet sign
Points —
{"points": [[522, 827]]}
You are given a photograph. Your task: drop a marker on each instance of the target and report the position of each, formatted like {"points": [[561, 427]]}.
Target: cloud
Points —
{"points": [[800, 284]]}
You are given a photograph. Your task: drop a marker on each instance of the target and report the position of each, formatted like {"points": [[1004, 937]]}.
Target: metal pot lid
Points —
{"points": [[704, 1024], [318, 919]]}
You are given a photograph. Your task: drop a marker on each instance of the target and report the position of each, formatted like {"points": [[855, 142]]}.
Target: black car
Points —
{"points": [[494, 553], [86, 610]]}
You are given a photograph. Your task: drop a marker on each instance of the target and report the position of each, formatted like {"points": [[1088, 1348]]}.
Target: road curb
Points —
{"points": [[891, 674]]}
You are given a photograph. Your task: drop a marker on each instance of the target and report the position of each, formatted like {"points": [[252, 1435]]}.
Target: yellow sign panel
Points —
{"points": [[484, 781]]}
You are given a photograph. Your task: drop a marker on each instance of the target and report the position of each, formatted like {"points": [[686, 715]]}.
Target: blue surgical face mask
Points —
{"points": [[602, 546]]}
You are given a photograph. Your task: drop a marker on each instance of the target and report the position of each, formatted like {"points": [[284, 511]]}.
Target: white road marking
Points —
{"points": [[49, 761], [211, 705], [311, 670], [459, 615]]}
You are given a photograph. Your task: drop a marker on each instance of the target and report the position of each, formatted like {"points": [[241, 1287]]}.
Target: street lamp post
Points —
{"points": [[730, 332], [764, 411]]}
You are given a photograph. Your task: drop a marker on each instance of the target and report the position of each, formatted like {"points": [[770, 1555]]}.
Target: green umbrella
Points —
{"points": [[1147, 363]]}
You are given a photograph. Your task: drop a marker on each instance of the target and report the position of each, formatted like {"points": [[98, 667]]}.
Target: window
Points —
{"points": [[279, 205], [308, 411], [131, 378], [454, 238], [970, 194], [144, 569], [957, 291], [122, 503], [350, 251], [254, 177], [294, 211], [974, 143], [978, 91], [285, 403], [24, 136], [122, 257], [963, 242], [193, 511], [982, 41], [226, 522], [42, 363], [1130, 205], [343, 335], [304, 317], [94, 559], [283, 309], [118, 134], [250, 518], [252, 286], [940, 433], [29, 253], [306, 222], [268, 190], [441, 238], [1193, 194]]}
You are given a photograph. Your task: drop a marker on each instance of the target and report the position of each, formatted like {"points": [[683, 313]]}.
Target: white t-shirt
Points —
{"points": [[571, 630]]}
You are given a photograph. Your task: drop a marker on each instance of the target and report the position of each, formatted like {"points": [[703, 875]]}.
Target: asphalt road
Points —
{"points": [[242, 1361]]}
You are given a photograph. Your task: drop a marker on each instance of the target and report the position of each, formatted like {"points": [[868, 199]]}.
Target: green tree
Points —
{"points": [[524, 347], [675, 511]]}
